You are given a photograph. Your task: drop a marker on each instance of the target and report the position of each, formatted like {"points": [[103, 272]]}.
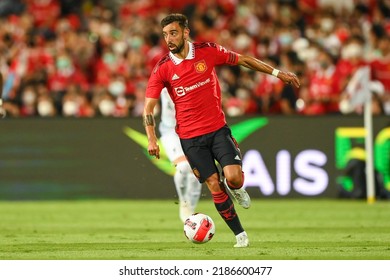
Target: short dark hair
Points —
{"points": [[179, 18]]}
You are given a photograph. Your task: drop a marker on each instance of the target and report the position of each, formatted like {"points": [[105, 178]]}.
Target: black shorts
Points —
{"points": [[203, 151]]}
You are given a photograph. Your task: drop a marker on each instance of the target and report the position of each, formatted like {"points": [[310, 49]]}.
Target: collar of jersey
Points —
{"points": [[190, 55]]}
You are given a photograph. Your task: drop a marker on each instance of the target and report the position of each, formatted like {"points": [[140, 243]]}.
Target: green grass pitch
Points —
{"points": [[279, 229]]}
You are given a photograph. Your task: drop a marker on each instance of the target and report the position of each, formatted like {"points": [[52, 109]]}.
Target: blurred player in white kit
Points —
{"points": [[187, 185]]}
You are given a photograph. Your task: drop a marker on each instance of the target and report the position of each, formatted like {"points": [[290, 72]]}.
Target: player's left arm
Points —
{"points": [[258, 65]]}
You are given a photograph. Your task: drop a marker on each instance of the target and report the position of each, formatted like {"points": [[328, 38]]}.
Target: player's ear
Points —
{"points": [[186, 33]]}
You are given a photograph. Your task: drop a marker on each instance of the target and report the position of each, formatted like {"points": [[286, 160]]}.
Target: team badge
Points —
{"points": [[200, 66]]}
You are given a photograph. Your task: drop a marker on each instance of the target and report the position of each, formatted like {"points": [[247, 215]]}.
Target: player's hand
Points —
{"points": [[154, 149], [3, 112], [289, 78]]}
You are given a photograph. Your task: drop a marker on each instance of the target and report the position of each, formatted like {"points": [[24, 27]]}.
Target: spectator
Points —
{"points": [[65, 75], [267, 90], [45, 13], [380, 70], [45, 102], [323, 89], [28, 102], [352, 58], [75, 103]]}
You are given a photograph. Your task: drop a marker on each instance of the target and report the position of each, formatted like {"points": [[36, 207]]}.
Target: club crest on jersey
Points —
{"points": [[200, 66]]}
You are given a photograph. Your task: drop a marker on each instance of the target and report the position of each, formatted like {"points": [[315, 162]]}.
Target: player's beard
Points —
{"points": [[179, 47]]}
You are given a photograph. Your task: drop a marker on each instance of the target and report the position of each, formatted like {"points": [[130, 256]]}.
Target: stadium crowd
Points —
{"points": [[93, 58]]}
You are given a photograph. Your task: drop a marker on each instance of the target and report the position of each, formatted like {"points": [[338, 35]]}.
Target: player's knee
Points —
{"points": [[235, 179], [183, 167], [213, 183]]}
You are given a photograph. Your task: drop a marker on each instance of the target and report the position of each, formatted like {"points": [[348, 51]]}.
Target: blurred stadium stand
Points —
{"points": [[93, 58]]}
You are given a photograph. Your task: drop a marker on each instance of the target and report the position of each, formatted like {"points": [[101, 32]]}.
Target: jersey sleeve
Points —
{"points": [[155, 84], [224, 56]]}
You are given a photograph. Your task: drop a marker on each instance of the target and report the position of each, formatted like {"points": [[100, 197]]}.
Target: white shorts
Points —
{"points": [[172, 146]]}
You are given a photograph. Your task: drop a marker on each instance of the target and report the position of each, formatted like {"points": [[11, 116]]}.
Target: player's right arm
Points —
{"points": [[150, 126]]}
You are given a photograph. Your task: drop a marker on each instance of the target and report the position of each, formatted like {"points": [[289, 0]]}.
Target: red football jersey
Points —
{"points": [[193, 86]]}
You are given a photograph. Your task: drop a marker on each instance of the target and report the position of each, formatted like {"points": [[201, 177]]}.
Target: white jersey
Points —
{"points": [[169, 137], [168, 113]]}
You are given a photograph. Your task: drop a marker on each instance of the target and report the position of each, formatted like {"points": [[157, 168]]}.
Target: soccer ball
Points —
{"points": [[199, 228]]}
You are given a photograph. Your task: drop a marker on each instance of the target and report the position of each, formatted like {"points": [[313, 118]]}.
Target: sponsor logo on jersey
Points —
{"points": [[180, 91], [175, 77]]}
